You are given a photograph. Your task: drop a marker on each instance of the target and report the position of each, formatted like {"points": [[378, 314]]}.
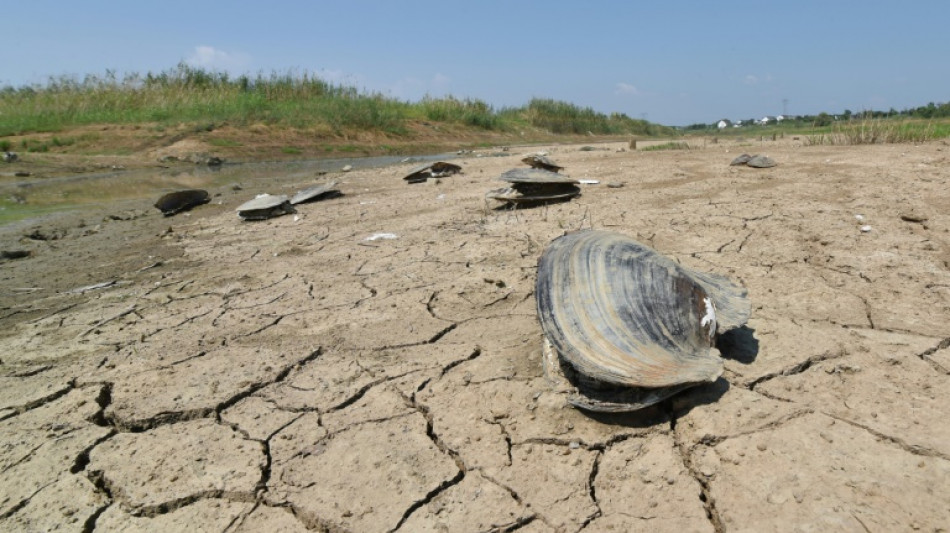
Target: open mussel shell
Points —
{"points": [[621, 314], [438, 169]]}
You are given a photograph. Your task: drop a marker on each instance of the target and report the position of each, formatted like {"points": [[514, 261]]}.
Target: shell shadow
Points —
{"points": [[518, 206], [644, 418], [739, 345], [704, 394]]}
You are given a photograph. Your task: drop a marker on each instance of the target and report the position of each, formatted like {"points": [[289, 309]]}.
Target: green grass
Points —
{"points": [[223, 142], [291, 150], [878, 131], [203, 99]]}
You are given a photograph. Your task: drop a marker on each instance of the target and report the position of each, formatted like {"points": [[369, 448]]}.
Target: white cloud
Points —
{"points": [[626, 88], [414, 89], [752, 79], [209, 57]]}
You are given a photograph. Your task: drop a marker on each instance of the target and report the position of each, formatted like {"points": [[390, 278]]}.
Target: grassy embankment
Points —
{"points": [[848, 132], [292, 114]]}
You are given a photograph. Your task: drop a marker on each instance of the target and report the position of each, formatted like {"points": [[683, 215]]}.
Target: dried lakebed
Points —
{"points": [[291, 375]]}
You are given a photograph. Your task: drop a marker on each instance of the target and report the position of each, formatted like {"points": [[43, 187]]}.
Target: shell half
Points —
{"points": [[312, 193], [177, 201], [621, 314]]}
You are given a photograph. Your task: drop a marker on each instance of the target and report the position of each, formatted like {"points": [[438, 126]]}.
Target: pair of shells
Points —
{"points": [[626, 327], [266, 206], [531, 185]]}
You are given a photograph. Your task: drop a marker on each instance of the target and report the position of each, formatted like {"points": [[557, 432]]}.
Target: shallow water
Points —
{"points": [[27, 198]]}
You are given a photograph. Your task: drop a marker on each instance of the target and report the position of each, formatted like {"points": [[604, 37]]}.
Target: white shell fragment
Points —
{"points": [[379, 236], [631, 327]]}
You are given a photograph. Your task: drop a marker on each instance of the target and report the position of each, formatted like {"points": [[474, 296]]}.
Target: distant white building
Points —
{"points": [[723, 124]]}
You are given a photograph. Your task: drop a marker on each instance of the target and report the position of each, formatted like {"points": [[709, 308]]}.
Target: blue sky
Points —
{"points": [[674, 63]]}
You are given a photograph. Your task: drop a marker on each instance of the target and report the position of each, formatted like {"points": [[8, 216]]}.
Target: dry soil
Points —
{"points": [[200, 372]]}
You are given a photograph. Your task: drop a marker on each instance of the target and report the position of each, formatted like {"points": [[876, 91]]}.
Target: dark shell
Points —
{"points": [[518, 196], [620, 314], [542, 162], [178, 201], [265, 206], [313, 193], [741, 160], [535, 175], [439, 169], [761, 161]]}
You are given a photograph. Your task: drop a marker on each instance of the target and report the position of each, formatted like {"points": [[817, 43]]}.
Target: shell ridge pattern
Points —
{"points": [[623, 314]]}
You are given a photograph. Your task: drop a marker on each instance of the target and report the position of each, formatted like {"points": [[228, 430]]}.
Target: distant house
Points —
{"points": [[766, 120], [723, 124]]}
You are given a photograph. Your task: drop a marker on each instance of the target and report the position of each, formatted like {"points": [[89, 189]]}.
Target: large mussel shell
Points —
{"points": [[178, 201], [621, 314]]}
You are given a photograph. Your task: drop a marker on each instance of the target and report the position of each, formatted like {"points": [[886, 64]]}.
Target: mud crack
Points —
{"points": [[909, 448], [705, 495], [796, 369], [942, 345], [444, 448]]}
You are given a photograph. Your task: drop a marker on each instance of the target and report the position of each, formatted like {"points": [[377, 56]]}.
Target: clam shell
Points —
{"points": [[314, 192], [586, 393], [761, 161], [177, 201], [622, 314], [535, 175], [740, 160], [542, 162]]}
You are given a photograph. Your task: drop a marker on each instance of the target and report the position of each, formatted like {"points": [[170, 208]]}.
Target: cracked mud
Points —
{"points": [[199, 372]]}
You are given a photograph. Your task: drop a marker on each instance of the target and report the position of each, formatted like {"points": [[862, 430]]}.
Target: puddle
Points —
{"points": [[29, 197]]}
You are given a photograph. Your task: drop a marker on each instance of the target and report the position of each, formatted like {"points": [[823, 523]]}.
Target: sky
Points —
{"points": [[672, 63]]}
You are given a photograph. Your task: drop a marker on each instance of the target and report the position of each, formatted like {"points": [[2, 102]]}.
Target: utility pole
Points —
{"points": [[785, 107]]}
